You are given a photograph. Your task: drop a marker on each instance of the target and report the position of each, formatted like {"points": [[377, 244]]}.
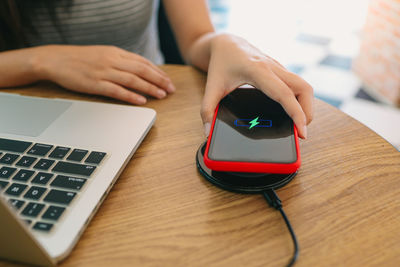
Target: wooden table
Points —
{"points": [[344, 204]]}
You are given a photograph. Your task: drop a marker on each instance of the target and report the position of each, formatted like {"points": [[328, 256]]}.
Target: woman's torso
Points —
{"points": [[129, 24]]}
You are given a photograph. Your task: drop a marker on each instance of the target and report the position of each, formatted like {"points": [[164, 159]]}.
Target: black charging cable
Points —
{"points": [[274, 201]]}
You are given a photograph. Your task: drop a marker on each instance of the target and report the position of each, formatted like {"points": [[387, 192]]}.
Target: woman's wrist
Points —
{"points": [[24, 66], [199, 52], [38, 63], [203, 48], [219, 39]]}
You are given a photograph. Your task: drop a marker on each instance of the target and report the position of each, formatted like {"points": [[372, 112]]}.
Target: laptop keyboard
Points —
{"points": [[41, 180]]}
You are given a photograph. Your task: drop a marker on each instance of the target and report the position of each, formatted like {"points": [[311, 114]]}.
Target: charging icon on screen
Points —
{"points": [[254, 123], [250, 123]]}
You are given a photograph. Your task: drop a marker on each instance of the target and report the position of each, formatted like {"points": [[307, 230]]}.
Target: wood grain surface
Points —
{"points": [[344, 204]]}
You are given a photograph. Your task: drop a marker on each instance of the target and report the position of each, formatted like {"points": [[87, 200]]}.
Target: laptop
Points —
{"points": [[58, 160]]}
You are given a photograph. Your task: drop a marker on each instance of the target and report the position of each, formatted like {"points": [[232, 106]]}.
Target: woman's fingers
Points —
{"points": [[307, 104], [302, 90], [113, 90], [119, 72], [146, 72], [276, 89], [251, 66], [132, 81], [213, 94], [135, 57]]}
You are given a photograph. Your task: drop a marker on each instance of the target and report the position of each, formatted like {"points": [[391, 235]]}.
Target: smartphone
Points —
{"points": [[252, 133]]}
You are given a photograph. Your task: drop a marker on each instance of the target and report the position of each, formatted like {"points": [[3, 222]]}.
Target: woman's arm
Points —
{"points": [[101, 70], [232, 62], [18, 67], [193, 30]]}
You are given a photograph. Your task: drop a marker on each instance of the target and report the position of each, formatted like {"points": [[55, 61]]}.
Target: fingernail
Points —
{"points": [[161, 93], [207, 127], [305, 132], [141, 100], [171, 88]]}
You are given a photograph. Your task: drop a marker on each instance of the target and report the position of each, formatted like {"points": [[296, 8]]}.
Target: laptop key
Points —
{"points": [[3, 184], [77, 155], [6, 172], [95, 157], [35, 192], [9, 158], [60, 197], [59, 152], [16, 189], [23, 175], [14, 145], [32, 209], [26, 161], [68, 182], [53, 213], [42, 178], [44, 164], [42, 226], [40, 149], [16, 203], [74, 168]]}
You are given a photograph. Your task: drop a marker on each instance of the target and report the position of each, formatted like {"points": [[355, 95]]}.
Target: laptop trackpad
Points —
{"points": [[28, 116]]}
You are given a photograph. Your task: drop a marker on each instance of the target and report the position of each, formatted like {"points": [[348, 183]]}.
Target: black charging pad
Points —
{"points": [[247, 183]]}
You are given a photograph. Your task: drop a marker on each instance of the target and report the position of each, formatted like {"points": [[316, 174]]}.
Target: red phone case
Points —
{"points": [[255, 167]]}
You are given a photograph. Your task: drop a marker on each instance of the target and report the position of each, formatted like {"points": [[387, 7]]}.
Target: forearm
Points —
{"points": [[199, 53], [19, 67], [202, 49], [193, 30]]}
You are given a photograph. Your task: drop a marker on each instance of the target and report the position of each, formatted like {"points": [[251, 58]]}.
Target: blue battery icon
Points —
{"points": [[250, 123]]}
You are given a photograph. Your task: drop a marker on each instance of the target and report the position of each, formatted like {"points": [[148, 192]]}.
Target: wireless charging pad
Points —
{"points": [[248, 183]]}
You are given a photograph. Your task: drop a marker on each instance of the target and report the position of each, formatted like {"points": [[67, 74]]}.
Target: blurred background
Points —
{"points": [[349, 51]]}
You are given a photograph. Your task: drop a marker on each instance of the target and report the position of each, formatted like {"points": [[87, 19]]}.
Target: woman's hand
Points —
{"points": [[234, 62], [102, 70]]}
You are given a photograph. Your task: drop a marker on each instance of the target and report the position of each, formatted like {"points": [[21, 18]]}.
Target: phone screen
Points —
{"points": [[251, 127]]}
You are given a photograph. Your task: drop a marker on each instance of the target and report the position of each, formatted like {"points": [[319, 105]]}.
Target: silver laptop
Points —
{"points": [[58, 160]]}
